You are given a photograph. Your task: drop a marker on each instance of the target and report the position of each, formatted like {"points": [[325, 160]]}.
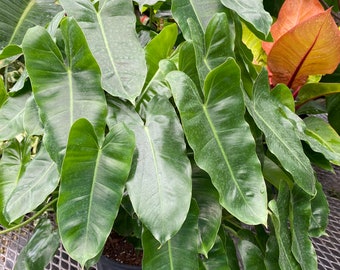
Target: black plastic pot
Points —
{"points": [[107, 264]]}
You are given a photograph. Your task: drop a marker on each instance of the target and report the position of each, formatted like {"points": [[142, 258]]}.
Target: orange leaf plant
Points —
{"points": [[306, 42]]}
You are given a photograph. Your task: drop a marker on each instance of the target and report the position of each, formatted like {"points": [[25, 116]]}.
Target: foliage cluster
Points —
{"points": [[155, 119]]}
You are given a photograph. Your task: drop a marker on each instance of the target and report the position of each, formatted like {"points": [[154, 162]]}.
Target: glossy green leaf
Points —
{"points": [[64, 89], [40, 249], [320, 212], [201, 11], [222, 141], [160, 182], [159, 48], [300, 215], [333, 110], [31, 119], [40, 178], [93, 178], [279, 217], [251, 256], [157, 86], [283, 94], [18, 16], [272, 253], [112, 38], [10, 51], [210, 216], [280, 134], [251, 11], [180, 252], [187, 61], [311, 91], [11, 117], [212, 49], [217, 258], [3, 92], [13, 162], [323, 138], [274, 174]]}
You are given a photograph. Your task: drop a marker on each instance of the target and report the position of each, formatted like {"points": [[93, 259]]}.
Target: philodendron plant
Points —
{"points": [[195, 132]]}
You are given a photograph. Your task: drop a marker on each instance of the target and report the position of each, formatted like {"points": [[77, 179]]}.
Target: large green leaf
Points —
{"points": [[300, 215], [210, 216], [13, 162], [221, 139], [40, 249], [279, 217], [93, 178], [281, 135], [180, 252], [187, 61], [17, 16], [251, 11], [320, 213], [11, 117], [64, 90], [201, 11], [32, 123], [112, 38], [212, 49], [40, 178], [160, 181]]}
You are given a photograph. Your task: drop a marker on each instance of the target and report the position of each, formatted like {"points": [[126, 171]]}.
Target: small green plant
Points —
{"points": [[168, 132]]}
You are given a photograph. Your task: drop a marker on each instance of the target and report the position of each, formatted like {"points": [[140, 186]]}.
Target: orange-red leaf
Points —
{"points": [[292, 13], [310, 47]]}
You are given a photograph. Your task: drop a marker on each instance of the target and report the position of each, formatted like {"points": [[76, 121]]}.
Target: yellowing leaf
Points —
{"points": [[311, 47]]}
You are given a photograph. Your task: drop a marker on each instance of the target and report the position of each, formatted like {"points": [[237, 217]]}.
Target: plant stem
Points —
{"points": [[40, 212]]}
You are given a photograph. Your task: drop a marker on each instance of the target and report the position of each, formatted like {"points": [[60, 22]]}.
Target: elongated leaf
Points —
{"points": [[323, 138], [279, 216], [11, 51], [3, 92], [293, 58], [201, 11], [13, 162], [111, 36], [64, 90], [272, 253], [180, 252], [93, 178], [333, 110], [187, 62], [280, 134], [221, 138], [40, 249], [160, 182], [217, 259], [320, 212], [251, 11], [311, 91], [251, 255], [159, 48], [40, 178], [210, 216], [31, 119], [18, 16], [300, 215], [212, 49], [11, 117]]}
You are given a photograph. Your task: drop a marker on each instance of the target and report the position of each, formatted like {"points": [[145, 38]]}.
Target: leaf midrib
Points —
{"points": [[21, 20]]}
